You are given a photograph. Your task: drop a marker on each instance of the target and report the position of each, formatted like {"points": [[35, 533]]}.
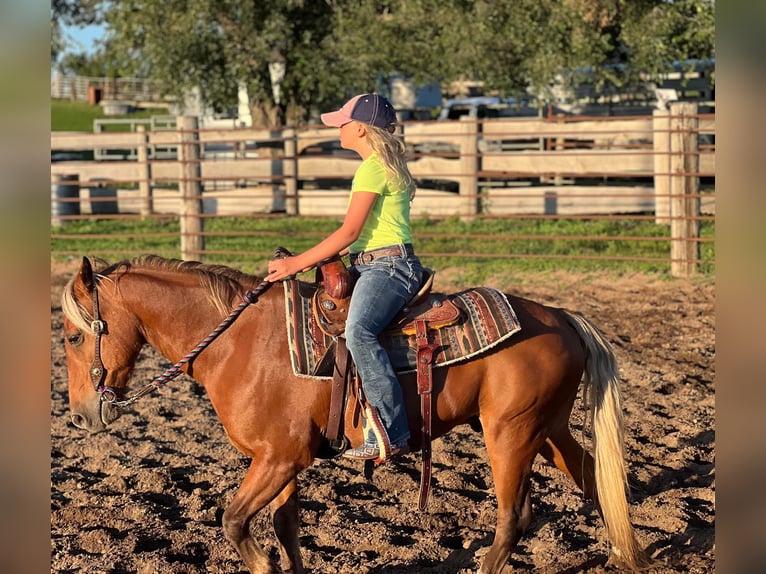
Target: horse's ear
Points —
{"points": [[86, 274]]}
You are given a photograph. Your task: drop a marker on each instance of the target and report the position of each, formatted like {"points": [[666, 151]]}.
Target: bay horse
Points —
{"points": [[522, 393]]}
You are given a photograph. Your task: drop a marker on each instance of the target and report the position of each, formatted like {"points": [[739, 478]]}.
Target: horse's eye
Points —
{"points": [[75, 339]]}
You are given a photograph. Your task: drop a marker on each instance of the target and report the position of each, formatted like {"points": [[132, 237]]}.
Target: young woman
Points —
{"points": [[376, 232]]}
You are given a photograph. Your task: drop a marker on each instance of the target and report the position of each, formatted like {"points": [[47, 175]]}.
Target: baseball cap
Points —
{"points": [[371, 109]]}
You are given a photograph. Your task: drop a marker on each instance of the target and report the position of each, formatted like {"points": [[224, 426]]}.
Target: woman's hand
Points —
{"points": [[281, 269], [339, 240]]}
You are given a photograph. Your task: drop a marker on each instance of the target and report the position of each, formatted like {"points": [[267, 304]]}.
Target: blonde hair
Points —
{"points": [[390, 148]]}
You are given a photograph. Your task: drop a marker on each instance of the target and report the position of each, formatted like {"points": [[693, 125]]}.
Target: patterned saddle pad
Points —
{"points": [[487, 318]]}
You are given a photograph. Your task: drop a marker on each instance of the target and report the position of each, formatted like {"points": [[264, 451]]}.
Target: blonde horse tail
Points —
{"points": [[602, 393]]}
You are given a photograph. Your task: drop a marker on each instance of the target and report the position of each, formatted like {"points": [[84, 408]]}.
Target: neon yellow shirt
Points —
{"points": [[389, 221]]}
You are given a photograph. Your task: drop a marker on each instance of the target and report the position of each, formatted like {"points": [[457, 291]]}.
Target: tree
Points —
{"points": [[99, 65], [643, 37], [217, 45], [660, 33], [71, 12], [331, 49]]}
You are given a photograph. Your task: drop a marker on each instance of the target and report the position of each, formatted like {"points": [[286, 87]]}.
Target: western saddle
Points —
{"points": [[425, 311]]}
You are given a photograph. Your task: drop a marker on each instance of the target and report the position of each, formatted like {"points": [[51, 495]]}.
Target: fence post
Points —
{"points": [[468, 165], [684, 189], [144, 173], [190, 187], [290, 171], [661, 151]]}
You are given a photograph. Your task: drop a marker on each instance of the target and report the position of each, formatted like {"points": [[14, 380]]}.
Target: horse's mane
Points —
{"points": [[222, 283]]}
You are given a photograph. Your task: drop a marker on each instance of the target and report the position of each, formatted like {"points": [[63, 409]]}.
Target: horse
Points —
{"points": [[521, 392]]}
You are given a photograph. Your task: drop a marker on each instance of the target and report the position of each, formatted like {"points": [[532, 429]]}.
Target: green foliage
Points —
{"points": [[479, 248], [100, 64], [217, 44], [335, 48]]}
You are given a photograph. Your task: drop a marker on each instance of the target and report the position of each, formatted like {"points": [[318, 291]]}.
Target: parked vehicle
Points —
{"points": [[487, 107]]}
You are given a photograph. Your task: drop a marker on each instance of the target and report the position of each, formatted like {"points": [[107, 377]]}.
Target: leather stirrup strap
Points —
{"points": [[338, 394], [424, 376]]}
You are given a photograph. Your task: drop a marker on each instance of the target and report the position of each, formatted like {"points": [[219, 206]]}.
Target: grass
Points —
{"points": [[479, 248], [79, 116]]}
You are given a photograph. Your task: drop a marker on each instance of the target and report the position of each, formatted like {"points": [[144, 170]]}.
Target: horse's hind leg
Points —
{"points": [[511, 453], [562, 450], [284, 512], [568, 455]]}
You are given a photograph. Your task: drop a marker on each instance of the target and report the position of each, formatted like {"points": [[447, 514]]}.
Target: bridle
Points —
{"points": [[98, 371]]}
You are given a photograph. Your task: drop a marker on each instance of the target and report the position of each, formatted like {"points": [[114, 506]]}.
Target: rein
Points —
{"points": [[98, 372]]}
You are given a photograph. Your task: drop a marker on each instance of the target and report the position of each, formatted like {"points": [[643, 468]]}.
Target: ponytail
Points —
{"points": [[391, 149]]}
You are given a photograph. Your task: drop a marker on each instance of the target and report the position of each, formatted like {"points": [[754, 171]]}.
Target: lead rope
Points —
{"points": [[171, 373]]}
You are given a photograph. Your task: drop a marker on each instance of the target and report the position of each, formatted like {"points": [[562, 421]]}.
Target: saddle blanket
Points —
{"points": [[487, 319]]}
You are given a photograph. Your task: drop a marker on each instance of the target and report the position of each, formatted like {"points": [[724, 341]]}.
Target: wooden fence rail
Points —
{"points": [[557, 167]]}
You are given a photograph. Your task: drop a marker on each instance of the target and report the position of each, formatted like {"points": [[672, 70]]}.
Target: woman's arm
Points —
{"points": [[358, 211]]}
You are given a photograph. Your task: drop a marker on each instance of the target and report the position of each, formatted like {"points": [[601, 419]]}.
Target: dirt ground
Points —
{"points": [[148, 495]]}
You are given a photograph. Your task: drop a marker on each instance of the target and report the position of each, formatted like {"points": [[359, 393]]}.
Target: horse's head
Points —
{"points": [[102, 341]]}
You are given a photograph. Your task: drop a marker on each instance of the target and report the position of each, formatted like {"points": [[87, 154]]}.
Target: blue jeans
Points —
{"points": [[383, 286]]}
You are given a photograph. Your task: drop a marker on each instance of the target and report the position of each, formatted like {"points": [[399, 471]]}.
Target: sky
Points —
{"points": [[82, 39]]}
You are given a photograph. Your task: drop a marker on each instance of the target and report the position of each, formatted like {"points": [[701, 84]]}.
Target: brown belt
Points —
{"points": [[369, 256]]}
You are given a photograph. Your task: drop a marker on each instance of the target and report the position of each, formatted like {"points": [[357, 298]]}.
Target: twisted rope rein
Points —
{"points": [[171, 373], [250, 297]]}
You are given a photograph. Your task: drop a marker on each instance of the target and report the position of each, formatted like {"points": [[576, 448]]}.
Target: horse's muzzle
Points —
{"points": [[95, 419]]}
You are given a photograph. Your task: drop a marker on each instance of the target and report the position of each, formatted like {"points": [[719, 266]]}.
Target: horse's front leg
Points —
{"points": [[262, 483], [284, 512]]}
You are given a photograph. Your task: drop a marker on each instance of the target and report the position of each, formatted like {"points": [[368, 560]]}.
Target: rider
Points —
{"points": [[376, 232]]}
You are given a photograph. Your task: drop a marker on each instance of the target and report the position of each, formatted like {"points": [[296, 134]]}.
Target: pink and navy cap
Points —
{"points": [[371, 109]]}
